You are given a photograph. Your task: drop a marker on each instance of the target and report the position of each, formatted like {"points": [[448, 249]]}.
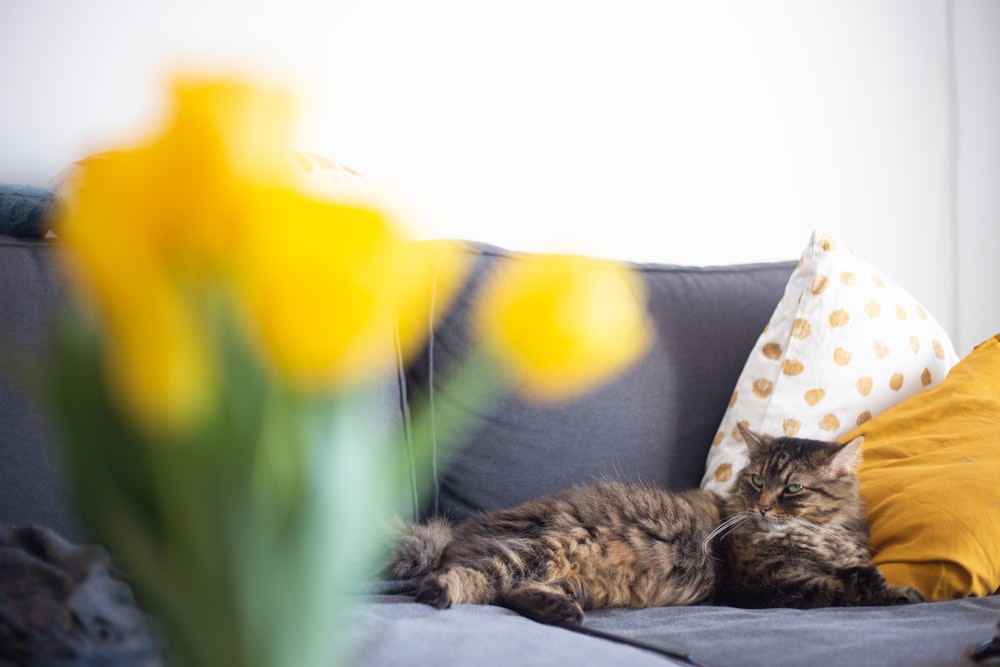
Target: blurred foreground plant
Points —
{"points": [[216, 378]]}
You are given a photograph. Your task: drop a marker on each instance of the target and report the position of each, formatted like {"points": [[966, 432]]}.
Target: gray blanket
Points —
{"points": [[61, 605]]}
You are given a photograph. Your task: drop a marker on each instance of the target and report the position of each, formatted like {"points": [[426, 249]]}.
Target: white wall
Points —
{"points": [[977, 169], [687, 131]]}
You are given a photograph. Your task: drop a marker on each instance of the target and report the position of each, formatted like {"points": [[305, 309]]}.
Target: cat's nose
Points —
{"points": [[763, 509]]}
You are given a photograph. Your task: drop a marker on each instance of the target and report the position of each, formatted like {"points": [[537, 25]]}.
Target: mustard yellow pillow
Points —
{"points": [[931, 480]]}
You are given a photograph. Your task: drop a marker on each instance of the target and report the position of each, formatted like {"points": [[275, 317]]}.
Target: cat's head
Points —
{"points": [[795, 480]]}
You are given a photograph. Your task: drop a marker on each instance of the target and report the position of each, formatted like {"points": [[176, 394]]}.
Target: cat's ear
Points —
{"points": [[755, 443], [847, 458]]}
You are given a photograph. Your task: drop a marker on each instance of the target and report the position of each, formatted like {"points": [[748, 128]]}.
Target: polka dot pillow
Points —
{"points": [[312, 173], [323, 178], [843, 345]]}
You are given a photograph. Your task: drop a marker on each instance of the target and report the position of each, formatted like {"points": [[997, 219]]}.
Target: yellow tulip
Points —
{"points": [[159, 360], [331, 292], [323, 282], [223, 137], [156, 355], [563, 324], [146, 227], [179, 197]]}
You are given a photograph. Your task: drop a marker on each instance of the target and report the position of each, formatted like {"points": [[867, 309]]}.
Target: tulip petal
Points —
{"points": [[563, 324]]}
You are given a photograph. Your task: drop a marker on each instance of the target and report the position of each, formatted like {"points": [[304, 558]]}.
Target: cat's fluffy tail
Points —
{"points": [[417, 547]]}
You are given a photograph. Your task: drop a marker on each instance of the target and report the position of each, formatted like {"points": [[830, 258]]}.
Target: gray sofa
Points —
{"points": [[653, 423]]}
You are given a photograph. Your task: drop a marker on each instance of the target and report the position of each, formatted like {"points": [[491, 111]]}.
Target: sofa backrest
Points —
{"points": [[653, 423]]}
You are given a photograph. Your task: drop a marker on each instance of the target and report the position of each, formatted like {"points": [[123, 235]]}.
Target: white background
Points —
{"points": [[693, 132]]}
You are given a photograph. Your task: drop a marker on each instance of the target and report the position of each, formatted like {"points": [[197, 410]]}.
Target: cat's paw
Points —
{"points": [[545, 606], [863, 582], [868, 584], [902, 595], [435, 591]]}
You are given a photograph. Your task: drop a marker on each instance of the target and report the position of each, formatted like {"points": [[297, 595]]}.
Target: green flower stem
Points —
{"points": [[244, 534], [439, 429]]}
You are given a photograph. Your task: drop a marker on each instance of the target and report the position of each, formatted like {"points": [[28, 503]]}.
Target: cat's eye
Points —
{"points": [[792, 489], [757, 481]]}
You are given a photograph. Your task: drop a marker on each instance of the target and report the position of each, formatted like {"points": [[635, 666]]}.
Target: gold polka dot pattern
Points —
{"points": [[801, 328], [819, 284], [839, 318], [844, 344], [842, 357], [772, 351], [762, 387], [323, 178], [814, 396], [829, 423], [723, 473], [791, 367], [896, 381]]}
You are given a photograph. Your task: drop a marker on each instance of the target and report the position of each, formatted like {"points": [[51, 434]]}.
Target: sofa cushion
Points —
{"points": [[844, 344], [652, 423], [25, 210], [393, 630], [931, 481]]}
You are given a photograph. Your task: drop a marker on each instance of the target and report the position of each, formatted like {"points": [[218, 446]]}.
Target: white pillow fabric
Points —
{"points": [[322, 178], [312, 173], [844, 344]]}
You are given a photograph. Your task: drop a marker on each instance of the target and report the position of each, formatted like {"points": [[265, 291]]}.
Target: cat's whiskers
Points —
{"points": [[727, 526]]}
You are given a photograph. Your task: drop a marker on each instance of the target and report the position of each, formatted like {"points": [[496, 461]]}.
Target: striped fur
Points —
{"points": [[602, 545], [770, 544]]}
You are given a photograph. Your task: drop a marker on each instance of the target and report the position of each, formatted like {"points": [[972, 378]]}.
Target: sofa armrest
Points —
{"points": [[32, 486]]}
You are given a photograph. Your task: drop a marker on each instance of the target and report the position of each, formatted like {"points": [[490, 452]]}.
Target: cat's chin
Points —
{"points": [[771, 526]]}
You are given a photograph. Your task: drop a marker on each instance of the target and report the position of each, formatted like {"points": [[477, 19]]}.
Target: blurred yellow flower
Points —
{"points": [[207, 205], [144, 226], [179, 198], [563, 324], [159, 359], [223, 137], [319, 280], [156, 355]]}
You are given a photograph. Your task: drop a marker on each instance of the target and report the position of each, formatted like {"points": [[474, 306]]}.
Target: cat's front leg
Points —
{"points": [[901, 595], [867, 586], [545, 604]]}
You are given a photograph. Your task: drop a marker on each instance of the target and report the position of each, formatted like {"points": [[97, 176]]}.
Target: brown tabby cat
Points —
{"points": [[791, 534], [795, 534]]}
